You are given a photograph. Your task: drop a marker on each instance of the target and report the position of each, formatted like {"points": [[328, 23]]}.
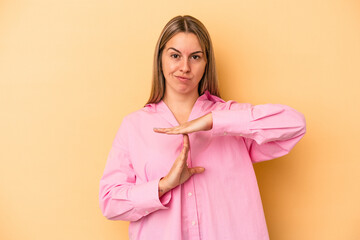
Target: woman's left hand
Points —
{"points": [[203, 123]]}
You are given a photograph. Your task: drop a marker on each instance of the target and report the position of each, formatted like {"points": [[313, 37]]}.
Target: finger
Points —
{"points": [[161, 130], [186, 147], [195, 170], [186, 141], [168, 131], [181, 129]]}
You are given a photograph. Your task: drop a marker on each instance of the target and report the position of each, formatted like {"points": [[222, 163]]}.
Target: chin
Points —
{"points": [[181, 88], [185, 90]]}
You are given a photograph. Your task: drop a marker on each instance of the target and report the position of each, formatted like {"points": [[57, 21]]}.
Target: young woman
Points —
{"points": [[181, 167]]}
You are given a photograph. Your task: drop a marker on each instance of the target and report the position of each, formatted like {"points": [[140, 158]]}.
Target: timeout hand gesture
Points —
{"points": [[179, 172]]}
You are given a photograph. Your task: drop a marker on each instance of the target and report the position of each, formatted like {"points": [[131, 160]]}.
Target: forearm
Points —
{"points": [[262, 123]]}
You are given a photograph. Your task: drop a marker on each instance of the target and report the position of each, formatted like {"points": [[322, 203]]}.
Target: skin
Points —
{"points": [[182, 57], [183, 65]]}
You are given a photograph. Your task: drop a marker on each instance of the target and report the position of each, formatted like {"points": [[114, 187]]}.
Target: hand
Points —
{"points": [[203, 123], [179, 172]]}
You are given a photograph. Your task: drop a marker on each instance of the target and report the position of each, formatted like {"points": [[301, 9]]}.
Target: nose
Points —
{"points": [[185, 65]]}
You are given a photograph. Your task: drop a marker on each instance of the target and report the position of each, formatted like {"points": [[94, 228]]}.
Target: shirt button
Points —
{"points": [[189, 194], [193, 223], [146, 212], [225, 133]]}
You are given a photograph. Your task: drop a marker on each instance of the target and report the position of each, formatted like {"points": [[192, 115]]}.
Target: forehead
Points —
{"points": [[184, 42]]}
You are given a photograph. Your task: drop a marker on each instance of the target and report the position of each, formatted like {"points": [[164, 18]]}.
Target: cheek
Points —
{"points": [[200, 69], [172, 67], [168, 66]]}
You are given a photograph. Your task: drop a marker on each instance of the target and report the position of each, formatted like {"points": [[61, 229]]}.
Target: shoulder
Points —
{"points": [[129, 123], [232, 105], [217, 103], [135, 116]]}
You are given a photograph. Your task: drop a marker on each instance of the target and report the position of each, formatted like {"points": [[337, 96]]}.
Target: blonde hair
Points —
{"points": [[187, 24]]}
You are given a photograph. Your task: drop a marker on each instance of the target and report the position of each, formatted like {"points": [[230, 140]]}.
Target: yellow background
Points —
{"points": [[70, 71]]}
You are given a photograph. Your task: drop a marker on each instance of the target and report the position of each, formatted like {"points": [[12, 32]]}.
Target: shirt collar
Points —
{"points": [[162, 109]]}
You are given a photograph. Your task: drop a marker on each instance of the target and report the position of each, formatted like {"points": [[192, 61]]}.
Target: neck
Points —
{"points": [[180, 104]]}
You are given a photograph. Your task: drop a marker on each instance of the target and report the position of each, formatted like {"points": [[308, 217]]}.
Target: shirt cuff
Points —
{"points": [[146, 196], [231, 122]]}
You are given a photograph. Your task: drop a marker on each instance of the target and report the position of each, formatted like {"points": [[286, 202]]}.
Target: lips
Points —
{"points": [[182, 78]]}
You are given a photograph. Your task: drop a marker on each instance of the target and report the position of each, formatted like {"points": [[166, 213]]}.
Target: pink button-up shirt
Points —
{"points": [[221, 203]]}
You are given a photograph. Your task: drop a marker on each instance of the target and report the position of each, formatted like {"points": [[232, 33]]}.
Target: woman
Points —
{"points": [[181, 167]]}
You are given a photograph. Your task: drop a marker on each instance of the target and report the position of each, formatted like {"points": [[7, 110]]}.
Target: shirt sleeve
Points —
{"points": [[120, 197], [269, 130]]}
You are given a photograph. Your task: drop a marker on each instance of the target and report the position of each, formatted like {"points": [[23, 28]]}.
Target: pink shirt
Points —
{"points": [[221, 203]]}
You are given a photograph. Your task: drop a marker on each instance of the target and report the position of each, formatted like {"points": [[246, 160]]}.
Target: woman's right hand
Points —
{"points": [[179, 172]]}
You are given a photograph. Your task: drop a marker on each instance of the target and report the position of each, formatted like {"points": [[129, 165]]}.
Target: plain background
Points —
{"points": [[71, 70]]}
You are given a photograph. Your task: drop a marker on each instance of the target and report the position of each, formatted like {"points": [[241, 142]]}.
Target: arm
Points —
{"points": [[120, 197], [270, 130]]}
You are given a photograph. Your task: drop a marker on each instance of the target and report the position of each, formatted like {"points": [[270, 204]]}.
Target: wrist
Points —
{"points": [[209, 121], [163, 187]]}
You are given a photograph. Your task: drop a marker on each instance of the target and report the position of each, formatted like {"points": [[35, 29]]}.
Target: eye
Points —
{"points": [[175, 55], [196, 57]]}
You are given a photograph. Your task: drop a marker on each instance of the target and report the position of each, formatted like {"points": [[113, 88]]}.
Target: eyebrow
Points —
{"points": [[180, 52]]}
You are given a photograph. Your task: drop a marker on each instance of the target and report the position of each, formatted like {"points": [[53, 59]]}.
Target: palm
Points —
{"points": [[203, 123], [180, 172]]}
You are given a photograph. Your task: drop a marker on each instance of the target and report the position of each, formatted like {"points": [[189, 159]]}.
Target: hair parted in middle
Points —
{"points": [[187, 24]]}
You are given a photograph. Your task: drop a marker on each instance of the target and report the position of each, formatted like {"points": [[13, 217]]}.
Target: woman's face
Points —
{"points": [[183, 64]]}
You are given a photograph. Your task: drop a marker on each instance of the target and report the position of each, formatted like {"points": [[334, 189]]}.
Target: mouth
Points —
{"points": [[184, 79]]}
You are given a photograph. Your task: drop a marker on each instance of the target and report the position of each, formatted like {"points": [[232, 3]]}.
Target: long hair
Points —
{"points": [[187, 24]]}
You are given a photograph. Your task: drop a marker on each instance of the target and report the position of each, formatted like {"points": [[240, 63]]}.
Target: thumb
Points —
{"points": [[195, 170], [186, 141]]}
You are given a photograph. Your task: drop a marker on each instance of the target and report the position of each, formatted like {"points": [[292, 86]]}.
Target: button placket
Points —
{"points": [[191, 198]]}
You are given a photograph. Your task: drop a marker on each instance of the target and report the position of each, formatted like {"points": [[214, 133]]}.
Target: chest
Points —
{"points": [[153, 154]]}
